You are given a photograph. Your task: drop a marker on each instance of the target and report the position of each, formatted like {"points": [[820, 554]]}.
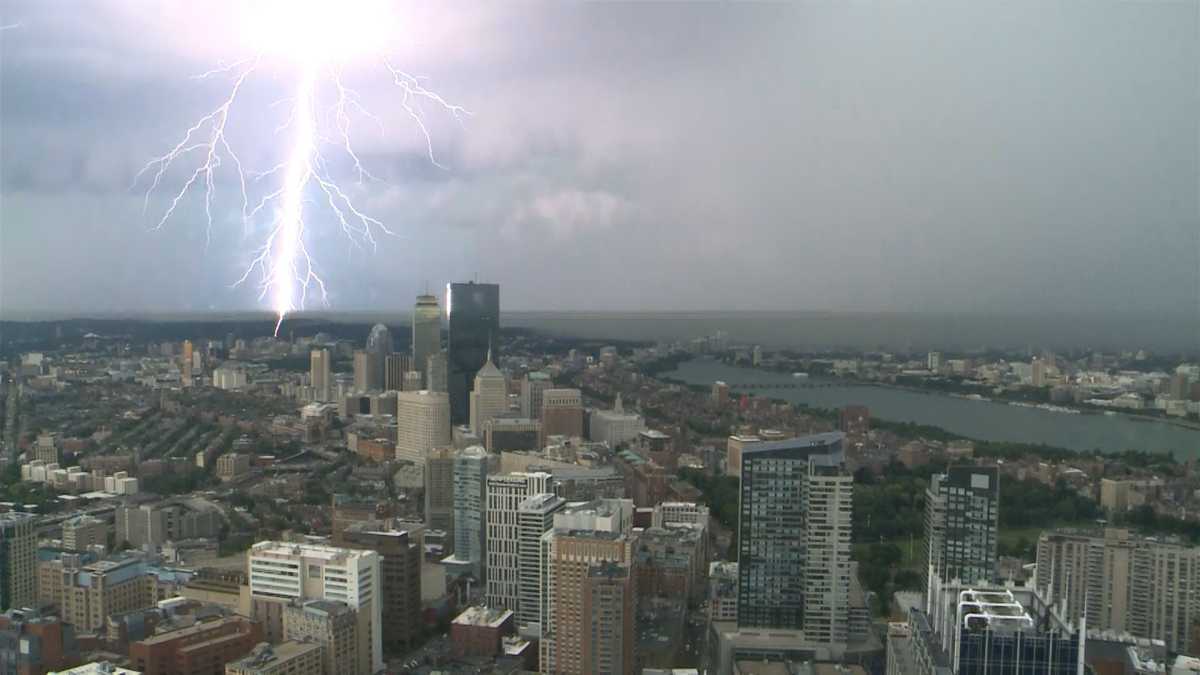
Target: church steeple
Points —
{"points": [[617, 405]]}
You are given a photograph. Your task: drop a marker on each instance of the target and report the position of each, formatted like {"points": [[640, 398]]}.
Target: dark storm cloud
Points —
{"points": [[919, 156]]}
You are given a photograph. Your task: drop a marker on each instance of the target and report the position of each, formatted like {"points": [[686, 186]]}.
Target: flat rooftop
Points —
{"points": [[492, 617]]}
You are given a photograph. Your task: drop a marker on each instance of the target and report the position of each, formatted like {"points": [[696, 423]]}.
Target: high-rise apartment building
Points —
{"points": [[489, 398], [474, 330], [794, 543], [422, 424], [399, 553], [319, 376], [588, 590], [1124, 583], [283, 573], [562, 413], [18, 561], [962, 517], [472, 466], [532, 387], [439, 493], [426, 331], [608, 615], [331, 624], [535, 516], [505, 493]]}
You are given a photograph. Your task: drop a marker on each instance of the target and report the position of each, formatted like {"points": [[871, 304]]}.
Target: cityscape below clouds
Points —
{"points": [[374, 338]]}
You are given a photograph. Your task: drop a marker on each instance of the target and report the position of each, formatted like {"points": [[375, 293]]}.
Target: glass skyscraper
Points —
{"points": [[962, 517], [474, 329], [794, 542]]}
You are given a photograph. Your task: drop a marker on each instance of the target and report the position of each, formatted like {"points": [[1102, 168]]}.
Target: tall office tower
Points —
{"points": [[1124, 583], [794, 546], [395, 367], [426, 330], [472, 466], [962, 511], [535, 517], [474, 330], [505, 493], [489, 398], [285, 572], [379, 343], [331, 624], [588, 590], [439, 493], [367, 373], [562, 413], [400, 553], [18, 561], [185, 362], [437, 373], [532, 386], [318, 374], [422, 424]]}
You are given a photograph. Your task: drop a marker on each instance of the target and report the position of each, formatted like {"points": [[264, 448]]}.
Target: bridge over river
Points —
{"points": [[783, 385]]}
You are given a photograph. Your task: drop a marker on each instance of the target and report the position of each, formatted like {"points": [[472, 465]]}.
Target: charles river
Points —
{"points": [[982, 420]]}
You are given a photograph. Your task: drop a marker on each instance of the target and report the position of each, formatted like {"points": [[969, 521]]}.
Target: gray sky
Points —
{"points": [[979, 157]]}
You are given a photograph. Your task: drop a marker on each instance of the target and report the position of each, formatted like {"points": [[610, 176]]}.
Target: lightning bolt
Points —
{"points": [[282, 265]]}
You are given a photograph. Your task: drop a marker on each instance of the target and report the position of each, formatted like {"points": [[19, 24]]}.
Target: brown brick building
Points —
{"points": [[400, 572], [478, 631], [200, 649]]}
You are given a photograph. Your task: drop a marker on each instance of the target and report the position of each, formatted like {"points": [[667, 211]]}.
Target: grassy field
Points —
{"points": [[911, 549]]}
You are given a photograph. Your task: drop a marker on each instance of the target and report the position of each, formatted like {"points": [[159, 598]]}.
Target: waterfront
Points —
{"points": [[984, 420]]}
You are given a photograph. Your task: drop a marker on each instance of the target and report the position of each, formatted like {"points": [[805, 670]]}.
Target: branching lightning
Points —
{"points": [[303, 183]]}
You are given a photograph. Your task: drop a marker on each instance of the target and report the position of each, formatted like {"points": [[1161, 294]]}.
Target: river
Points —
{"points": [[984, 420]]}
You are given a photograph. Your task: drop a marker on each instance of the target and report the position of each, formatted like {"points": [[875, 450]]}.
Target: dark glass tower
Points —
{"points": [[794, 537], [474, 328], [962, 519]]}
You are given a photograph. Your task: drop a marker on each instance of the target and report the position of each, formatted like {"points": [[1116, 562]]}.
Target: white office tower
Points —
{"points": [[490, 396], [422, 424], [505, 493], [283, 572]]}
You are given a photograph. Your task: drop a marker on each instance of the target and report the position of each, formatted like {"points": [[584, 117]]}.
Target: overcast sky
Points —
{"points": [[976, 157]]}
